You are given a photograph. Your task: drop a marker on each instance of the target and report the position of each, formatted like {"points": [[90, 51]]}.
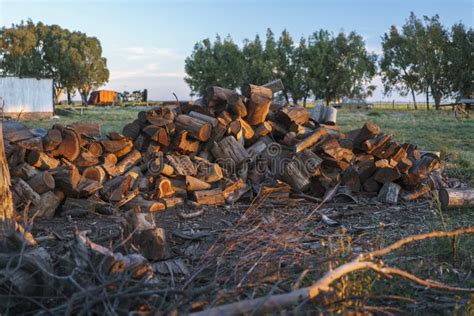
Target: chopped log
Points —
{"points": [[194, 184], [86, 128], [372, 144], [421, 170], [324, 114], [205, 118], [86, 159], [145, 206], [132, 130], [368, 131], [52, 139], [365, 169], [209, 197], [126, 163], [152, 243], [310, 162], [263, 129], [388, 150], [350, 178], [260, 99], [142, 142], [389, 193], [119, 147], [290, 139], [96, 173], [115, 189], [182, 165], [370, 185], [235, 191], [163, 187], [197, 128], [384, 175], [70, 146], [25, 193], [247, 130], [237, 105], [185, 145], [41, 160], [49, 202], [229, 152], [218, 96], [249, 89], [24, 171], [95, 149], [167, 170], [207, 171], [456, 197], [42, 182], [404, 165], [258, 148], [420, 192], [67, 179], [275, 85], [295, 175], [35, 143], [310, 140], [293, 114], [278, 129]]}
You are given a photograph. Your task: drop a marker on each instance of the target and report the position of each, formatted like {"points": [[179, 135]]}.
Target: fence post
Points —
{"points": [[393, 104]]}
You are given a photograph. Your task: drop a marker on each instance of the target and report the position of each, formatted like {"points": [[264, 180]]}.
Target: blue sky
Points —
{"points": [[146, 42]]}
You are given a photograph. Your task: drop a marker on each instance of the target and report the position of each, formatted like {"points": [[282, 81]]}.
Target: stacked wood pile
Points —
{"points": [[215, 151]]}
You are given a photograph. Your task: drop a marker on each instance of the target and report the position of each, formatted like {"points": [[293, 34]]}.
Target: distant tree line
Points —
{"points": [[72, 59], [423, 57]]}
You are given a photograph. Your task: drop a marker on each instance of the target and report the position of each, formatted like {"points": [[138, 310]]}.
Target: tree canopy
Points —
{"points": [[72, 59]]}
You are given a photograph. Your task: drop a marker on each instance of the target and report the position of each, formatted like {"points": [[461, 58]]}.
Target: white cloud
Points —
{"points": [[144, 53]]}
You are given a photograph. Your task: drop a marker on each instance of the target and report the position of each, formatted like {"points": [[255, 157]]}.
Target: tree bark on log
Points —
{"points": [[456, 197]]}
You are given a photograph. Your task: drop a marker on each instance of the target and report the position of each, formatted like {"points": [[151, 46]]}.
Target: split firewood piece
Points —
{"points": [[368, 131], [194, 184], [421, 170], [386, 174], [239, 126], [144, 205], [235, 191], [229, 152], [41, 160], [456, 197], [70, 146], [333, 149], [173, 201], [278, 129], [374, 143], [237, 105], [311, 140], [185, 145], [142, 142], [152, 244], [203, 117], [115, 189], [263, 129], [370, 185], [207, 171], [224, 118], [74, 206], [34, 143], [49, 202], [295, 175], [324, 114], [216, 136], [258, 148], [96, 173], [209, 197], [52, 139], [86, 128], [95, 149], [119, 147], [365, 169], [218, 96], [388, 150], [350, 178], [197, 128], [132, 130], [300, 130], [293, 114], [42, 182], [163, 187], [423, 190], [25, 193], [86, 159], [182, 165], [126, 163], [310, 162], [158, 134], [24, 171], [389, 193], [110, 160], [67, 179], [404, 165], [260, 99]]}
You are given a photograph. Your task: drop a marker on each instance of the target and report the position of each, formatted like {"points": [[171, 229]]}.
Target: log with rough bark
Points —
{"points": [[324, 114], [152, 243], [229, 152], [218, 96], [389, 193], [194, 184], [41, 160], [182, 165], [197, 128], [25, 194], [456, 197], [209, 197], [132, 130], [96, 173], [293, 114], [311, 140], [49, 202], [263, 129], [132, 159], [52, 139], [207, 171], [203, 117], [145, 205], [260, 99], [70, 146], [42, 182], [235, 191], [24, 171], [368, 131], [237, 105], [163, 187], [184, 144]]}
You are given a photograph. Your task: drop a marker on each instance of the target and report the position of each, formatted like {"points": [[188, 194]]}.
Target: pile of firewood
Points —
{"points": [[215, 151]]}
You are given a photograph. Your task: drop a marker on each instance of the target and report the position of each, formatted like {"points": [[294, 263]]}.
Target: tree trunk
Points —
{"points": [[414, 98], [427, 98], [84, 95], [437, 100], [69, 97]]}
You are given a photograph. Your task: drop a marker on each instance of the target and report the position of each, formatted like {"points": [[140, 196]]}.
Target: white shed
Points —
{"points": [[27, 97]]}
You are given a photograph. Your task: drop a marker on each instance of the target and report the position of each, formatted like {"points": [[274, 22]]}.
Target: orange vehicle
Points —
{"points": [[102, 97]]}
